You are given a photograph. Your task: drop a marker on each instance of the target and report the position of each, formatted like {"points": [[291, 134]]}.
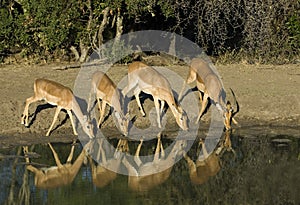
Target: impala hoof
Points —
{"points": [[25, 124]]}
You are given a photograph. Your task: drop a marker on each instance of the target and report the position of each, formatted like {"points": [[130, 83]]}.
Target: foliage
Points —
{"points": [[257, 30], [293, 26], [115, 51]]}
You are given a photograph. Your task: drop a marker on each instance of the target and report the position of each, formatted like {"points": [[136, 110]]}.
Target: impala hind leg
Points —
{"points": [[203, 106], [162, 106]]}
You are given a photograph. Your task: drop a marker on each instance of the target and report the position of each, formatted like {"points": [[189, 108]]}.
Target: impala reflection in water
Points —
{"points": [[264, 168], [58, 175], [143, 176], [103, 167]]}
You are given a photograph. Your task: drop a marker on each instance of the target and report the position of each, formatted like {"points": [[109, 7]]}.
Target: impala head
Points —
{"points": [[178, 149], [181, 118], [225, 144], [122, 122], [87, 127], [229, 113], [121, 148]]}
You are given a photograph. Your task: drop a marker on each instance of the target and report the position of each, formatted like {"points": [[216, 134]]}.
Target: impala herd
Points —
{"points": [[141, 78]]}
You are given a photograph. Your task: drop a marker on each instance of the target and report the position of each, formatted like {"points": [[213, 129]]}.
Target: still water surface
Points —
{"points": [[263, 170]]}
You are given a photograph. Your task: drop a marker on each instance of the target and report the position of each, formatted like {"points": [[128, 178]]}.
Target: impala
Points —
{"points": [[56, 176], [151, 174], [103, 173], [61, 96], [104, 89], [209, 84], [207, 165], [144, 78]]}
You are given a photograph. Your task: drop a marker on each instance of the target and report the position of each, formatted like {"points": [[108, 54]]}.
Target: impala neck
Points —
{"points": [[175, 151], [172, 105], [77, 164], [116, 101], [77, 111], [85, 123]]}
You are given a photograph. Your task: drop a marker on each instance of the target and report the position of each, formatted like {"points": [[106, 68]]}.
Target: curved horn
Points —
{"points": [[235, 102]]}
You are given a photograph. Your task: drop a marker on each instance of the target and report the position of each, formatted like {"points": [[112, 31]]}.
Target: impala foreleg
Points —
{"points": [[70, 157], [24, 118], [159, 148], [57, 161], [137, 154], [156, 103], [54, 119], [72, 122], [102, 111], [137, 92]]}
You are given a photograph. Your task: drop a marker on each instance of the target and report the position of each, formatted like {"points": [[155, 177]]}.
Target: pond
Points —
{"points": [[260, 169]]}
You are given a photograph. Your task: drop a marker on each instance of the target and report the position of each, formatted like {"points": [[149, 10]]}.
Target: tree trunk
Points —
{"points": [[103, 26], [75, 52], [84, 49], [119, 26]]}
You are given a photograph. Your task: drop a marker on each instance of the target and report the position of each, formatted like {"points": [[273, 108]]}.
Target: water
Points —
{"points": [[264, 170]]}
